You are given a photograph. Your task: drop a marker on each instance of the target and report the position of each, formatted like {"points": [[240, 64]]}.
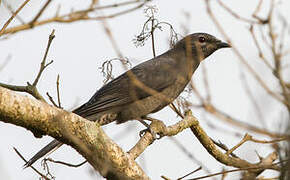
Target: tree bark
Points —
{"points": [[85, 136]]}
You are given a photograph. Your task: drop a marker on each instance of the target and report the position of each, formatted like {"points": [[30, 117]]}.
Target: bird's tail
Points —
{"points": [[53, 145]]}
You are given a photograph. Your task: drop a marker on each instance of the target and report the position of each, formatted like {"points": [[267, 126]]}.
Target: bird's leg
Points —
{"points": [[148, 118], [141, 120], [155, 133]]}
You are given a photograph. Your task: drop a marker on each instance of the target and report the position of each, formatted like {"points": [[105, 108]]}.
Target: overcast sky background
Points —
{"points": [[80, 48]]}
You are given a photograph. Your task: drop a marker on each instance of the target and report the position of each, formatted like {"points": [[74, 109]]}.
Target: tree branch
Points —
{"points": [[85, 136], [12, 17], [75, 16], [224, 157]]}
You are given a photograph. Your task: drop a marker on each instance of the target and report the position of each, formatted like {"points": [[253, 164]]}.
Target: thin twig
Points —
{"points": [[113, 41], [40, 12], [205, 140], [57, 90], [12, 17], [7, 5], [174, 108], [190, 155], [6, 61], [247, 89], [152, 37], [224, 147], [65, 163], [39, 173], [231, 120], [261, 55], [242, 59], [51, 99], [43, 64], [258, 8], [236, 15], [206, 84], [197, 169], [31, 88], [245, 139], [234, 170], [277, 57], [79, 15]]}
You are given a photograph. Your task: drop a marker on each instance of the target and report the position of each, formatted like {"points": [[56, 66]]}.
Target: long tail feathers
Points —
{"points": [[53, 145]]}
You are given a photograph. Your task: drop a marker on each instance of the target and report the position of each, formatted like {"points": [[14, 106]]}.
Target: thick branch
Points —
{"points": [[85, 136]]}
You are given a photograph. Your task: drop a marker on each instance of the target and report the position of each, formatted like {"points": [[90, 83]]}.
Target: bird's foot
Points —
{"points": [[156, 128], [155, 135]]}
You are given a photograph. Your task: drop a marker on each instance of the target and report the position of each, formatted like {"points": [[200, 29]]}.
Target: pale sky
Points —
{"points": [[80, 48]]}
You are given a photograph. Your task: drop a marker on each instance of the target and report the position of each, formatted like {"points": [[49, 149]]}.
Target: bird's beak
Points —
{"points": [[223, 45]]}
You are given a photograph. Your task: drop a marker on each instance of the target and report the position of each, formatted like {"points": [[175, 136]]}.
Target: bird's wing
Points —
{"points": [[156, 74]]}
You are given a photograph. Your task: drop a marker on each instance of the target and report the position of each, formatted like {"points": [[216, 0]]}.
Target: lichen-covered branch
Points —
{"points": [[159, 127], [85, 136]]}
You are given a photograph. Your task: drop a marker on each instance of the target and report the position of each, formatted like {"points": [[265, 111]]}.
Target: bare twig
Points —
{"points": [[43, 64], [51, 99], [234, 170], [224, 147], [261, 55], [12, 17], [217, 154], [206, 84], [31, 88], [277, 57], [40, 13], [236, 15], [65, 163], [113, 40], [34, 169], [152, 33], [258, 111], [229, 119], [245, 139], [174, 108], [58, 95], [7, 5], [79, 15], [190, 155], [57, 90], [258, 8], [6, 61], [190, 173], [243, 60]]}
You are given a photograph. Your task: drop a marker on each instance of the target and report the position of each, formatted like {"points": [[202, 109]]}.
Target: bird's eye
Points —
{"points": [[201, 39]]}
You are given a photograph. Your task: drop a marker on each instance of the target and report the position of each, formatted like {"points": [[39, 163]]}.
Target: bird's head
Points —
{"points": [[201, 45]]}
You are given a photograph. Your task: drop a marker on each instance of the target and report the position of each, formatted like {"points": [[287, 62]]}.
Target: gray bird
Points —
{"points": [[146, 88]]}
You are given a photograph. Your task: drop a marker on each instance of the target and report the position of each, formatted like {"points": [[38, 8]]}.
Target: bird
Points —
{"points": [[147, 87]]}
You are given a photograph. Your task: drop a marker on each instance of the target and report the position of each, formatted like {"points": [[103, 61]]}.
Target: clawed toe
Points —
{"points": [[155, 135]]}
